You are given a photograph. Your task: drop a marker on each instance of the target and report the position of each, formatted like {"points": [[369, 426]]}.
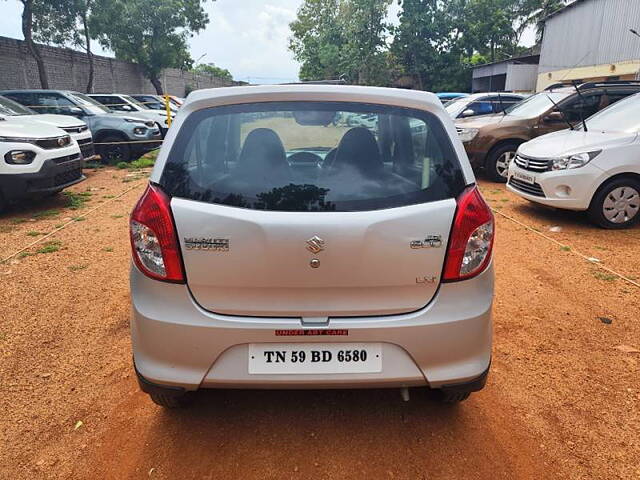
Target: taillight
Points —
{"points": [[153, 237], [471, 239]]}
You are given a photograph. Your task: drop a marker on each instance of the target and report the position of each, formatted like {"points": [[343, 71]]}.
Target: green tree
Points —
{"points": [[318, 39], [27, 30], [152, 34], [341, 38], [211, 69], [66, 22]]}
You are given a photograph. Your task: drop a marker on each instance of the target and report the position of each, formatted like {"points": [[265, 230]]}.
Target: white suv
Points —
{"points": [[597, 170], [128, 104], [276, 247], [36, 160], [77, 129]]}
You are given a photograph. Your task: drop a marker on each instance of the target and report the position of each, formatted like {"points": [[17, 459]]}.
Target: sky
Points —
{"points": [[248, 37]]}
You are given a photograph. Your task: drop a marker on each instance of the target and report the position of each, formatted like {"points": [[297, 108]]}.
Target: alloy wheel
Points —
{"points": [[502, 164]]}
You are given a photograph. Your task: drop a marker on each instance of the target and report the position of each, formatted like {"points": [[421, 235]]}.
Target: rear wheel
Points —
{"points": [[170, 399], [498, 160], [617, 204], [114, 150], [451, 397]]}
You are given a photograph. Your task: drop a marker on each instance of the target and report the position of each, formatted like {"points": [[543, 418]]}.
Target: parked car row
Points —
{"points": [[47, 135]]}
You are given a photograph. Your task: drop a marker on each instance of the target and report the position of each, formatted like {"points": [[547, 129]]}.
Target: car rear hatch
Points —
{"points": [[365, 233]]}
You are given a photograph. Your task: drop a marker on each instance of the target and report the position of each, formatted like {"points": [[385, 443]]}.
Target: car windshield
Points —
{"points": [[135, 102], [457, 106], [536, 105], [89, 104], [622, 116], [11, 108], [312, 156], [150, 102]]}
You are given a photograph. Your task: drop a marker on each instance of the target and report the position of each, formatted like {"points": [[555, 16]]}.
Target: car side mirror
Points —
{"points": [[553, 117], [467, 113], [75, 111]]}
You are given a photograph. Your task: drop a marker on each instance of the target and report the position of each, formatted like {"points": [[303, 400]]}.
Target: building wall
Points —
{"points": [[521, 78], [68, 69], [590, 40]]}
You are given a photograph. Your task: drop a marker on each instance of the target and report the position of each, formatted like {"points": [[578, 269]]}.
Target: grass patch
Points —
{"points": [[24, 254], [46, 214], [107, 249], [50, 247], [76, 201], [108, 196], [504, 199], [79, 219], [600, 248], [565, 248], [18, 221], [6, 229], [77, 268], [142, 162], [33, 233], [607, 277], [95, 165], [117, 216]]}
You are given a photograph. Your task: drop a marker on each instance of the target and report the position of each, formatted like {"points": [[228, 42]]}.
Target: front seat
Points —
{"points": [[358, 152], [263, 159]]}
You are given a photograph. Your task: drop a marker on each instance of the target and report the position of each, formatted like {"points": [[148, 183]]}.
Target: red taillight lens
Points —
{"points": [[155, 246], [471, 239]]}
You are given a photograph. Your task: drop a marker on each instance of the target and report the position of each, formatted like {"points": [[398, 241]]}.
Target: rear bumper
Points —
{"points": [[178, 344]]}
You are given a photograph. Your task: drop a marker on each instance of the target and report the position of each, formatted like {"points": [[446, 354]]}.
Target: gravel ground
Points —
{"points": [[563, 399]]}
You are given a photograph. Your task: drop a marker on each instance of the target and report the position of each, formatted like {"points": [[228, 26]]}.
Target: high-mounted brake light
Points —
{"points": [[154, 243], [471, 241]]}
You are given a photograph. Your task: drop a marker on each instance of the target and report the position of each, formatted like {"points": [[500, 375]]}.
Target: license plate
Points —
{"points": [[314, 358], [524, 177]]}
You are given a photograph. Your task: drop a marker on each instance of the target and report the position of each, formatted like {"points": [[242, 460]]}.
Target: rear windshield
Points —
{"points": [[312, 156]]}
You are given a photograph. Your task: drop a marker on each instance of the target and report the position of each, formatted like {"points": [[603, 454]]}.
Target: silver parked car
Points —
{"points": [[277, 248]]}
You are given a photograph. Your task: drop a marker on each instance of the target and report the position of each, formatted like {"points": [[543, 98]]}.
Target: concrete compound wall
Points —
{"points": [[69, 70]]}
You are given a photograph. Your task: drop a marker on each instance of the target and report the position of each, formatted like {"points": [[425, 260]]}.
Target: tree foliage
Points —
{"points": [[66, 22], [435, 43], [341, 39], [212, 69], [151, 34]]}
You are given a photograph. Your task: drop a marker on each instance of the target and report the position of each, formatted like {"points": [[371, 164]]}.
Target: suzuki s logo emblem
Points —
{"points": [[315, 244]]}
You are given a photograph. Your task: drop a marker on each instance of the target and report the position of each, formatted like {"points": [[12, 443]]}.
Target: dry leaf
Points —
{"points": [[627, 349]]}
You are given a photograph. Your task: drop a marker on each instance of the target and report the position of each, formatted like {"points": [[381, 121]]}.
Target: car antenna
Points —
{"points": [[561, 112], [584, 122]]}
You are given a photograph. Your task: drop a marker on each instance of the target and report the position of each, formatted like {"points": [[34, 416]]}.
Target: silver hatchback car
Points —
{"points": [[277, 246]]}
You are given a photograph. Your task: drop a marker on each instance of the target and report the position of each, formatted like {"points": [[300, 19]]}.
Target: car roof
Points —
{"points": [[338, 93], [37, 90]]}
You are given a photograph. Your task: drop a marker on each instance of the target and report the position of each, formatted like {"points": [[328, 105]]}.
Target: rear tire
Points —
{"points": [[171, 400], [115, 153], [616, 204], [451, 398], [497, 164]]}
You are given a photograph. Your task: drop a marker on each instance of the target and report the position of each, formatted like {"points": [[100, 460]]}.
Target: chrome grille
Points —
{"points": [[533, 164], [530, 188], [78, 129]]}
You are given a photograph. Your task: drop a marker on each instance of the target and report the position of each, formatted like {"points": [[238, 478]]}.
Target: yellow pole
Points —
{"points": [[167, 105]]}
